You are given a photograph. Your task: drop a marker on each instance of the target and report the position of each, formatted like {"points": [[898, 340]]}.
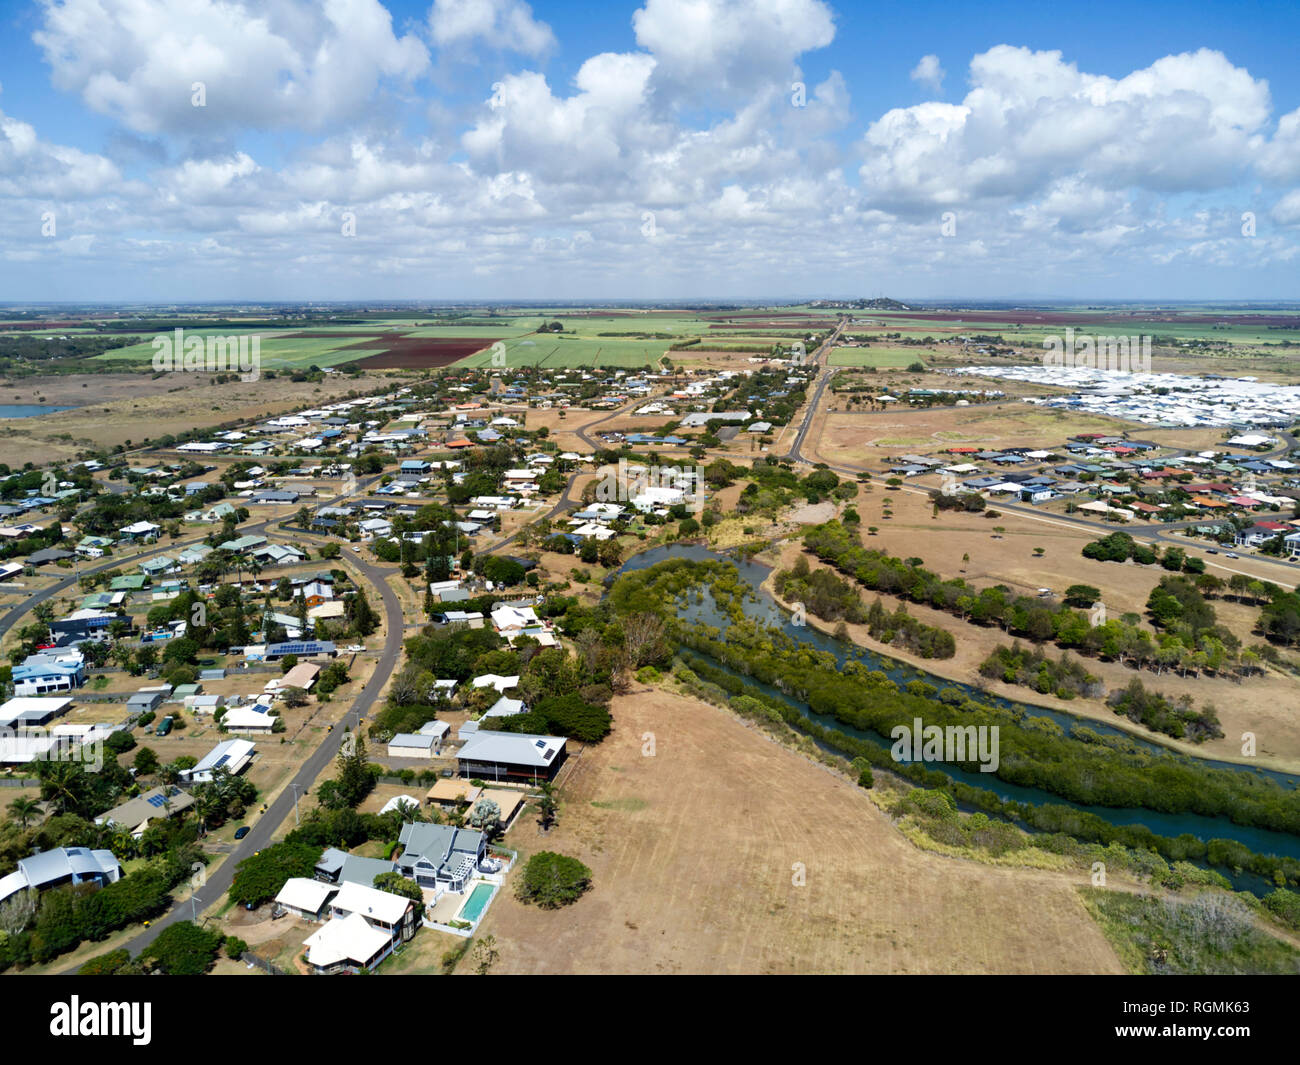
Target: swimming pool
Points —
{"points": [[477, 903]]}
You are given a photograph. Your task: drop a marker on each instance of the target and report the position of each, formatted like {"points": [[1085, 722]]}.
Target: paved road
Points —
{"points": [[823, 379], [265, 827], [12, 616]]}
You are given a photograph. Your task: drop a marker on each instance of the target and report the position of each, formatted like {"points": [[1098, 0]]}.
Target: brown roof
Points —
{"points": [[449, 790]]}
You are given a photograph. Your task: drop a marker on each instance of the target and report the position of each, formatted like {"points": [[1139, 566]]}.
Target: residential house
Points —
{"points": [[440, 855], [64, 865], [135, 814], [490, 755]]}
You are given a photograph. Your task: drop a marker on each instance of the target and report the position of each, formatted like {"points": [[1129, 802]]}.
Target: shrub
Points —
{"points": [[553, 880]]}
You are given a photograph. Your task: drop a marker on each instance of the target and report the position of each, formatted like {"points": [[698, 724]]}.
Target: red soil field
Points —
{"points": [[406, 353]]}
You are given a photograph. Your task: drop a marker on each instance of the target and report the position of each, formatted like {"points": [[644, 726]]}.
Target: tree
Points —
{"points": [[643, 639], [355, 779], [146, 761], [259, 878], [396, 884], [1081, 595], [24, 809], [294, 696], [485, 953], [547, 807], [553, 880], [184, 949], [17, 911], [485, 816]]}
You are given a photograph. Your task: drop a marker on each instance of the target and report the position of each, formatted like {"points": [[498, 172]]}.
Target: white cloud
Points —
{"points": [[1187, 122], [31, 168], [928, 72], [274, 65], [503, 24], [721, 48], [1058, 176]]}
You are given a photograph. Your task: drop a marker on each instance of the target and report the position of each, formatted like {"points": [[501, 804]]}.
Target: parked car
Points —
{"points": [[241, 832]]}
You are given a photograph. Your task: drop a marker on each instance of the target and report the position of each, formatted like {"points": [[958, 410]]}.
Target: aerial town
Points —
{"points": [[473, 502]]}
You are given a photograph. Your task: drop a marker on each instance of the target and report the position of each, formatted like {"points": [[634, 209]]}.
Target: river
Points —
{"points": [[763, 607]]}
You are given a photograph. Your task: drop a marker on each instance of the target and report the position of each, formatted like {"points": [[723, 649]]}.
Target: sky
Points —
{"points": [[231, 150]]}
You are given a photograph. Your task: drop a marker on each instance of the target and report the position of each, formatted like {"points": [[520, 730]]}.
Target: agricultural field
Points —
{"points": [[1028, 328], [592, 337], [880, 357]]}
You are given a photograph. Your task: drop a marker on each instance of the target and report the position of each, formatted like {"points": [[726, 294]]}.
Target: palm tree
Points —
{"points": [[60, 785], [23, 809]]}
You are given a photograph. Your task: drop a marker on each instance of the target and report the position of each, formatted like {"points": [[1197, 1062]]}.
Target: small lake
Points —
{"points": [[27, 410], [1262, 841]]}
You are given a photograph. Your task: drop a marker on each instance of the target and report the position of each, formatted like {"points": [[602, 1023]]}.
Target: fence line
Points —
{"points": [[250, 958]]}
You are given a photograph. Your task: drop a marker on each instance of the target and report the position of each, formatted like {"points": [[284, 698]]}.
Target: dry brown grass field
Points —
{"points": [[875, 437], [115, 408], [693, 854]]}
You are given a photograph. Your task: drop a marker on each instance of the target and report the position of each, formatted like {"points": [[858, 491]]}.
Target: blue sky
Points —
{"points": [[492, 149]]}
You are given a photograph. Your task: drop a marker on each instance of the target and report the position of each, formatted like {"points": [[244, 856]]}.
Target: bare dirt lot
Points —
{"points": [[694, 852]]}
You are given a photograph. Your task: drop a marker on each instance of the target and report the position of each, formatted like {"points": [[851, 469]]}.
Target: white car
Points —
{"points": [[357, 549], [354, 648]]}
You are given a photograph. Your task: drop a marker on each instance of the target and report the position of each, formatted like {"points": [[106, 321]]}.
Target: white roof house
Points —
{"points": [[493, 680], [305, 896], [397, 802], [512, 617], [377, 907], [347, 942], [31, 710], [233, 755], [254, 718], [506, 707]]}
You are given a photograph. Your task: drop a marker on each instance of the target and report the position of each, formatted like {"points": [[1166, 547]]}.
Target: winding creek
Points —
{"points": [[763, 607]]}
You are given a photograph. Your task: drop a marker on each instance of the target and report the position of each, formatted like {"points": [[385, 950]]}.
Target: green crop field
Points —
{"points": [[884, 358], [276, 350]]}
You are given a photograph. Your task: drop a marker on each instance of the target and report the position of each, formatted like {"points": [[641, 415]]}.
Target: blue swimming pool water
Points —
{"points": [[478, 900]]}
